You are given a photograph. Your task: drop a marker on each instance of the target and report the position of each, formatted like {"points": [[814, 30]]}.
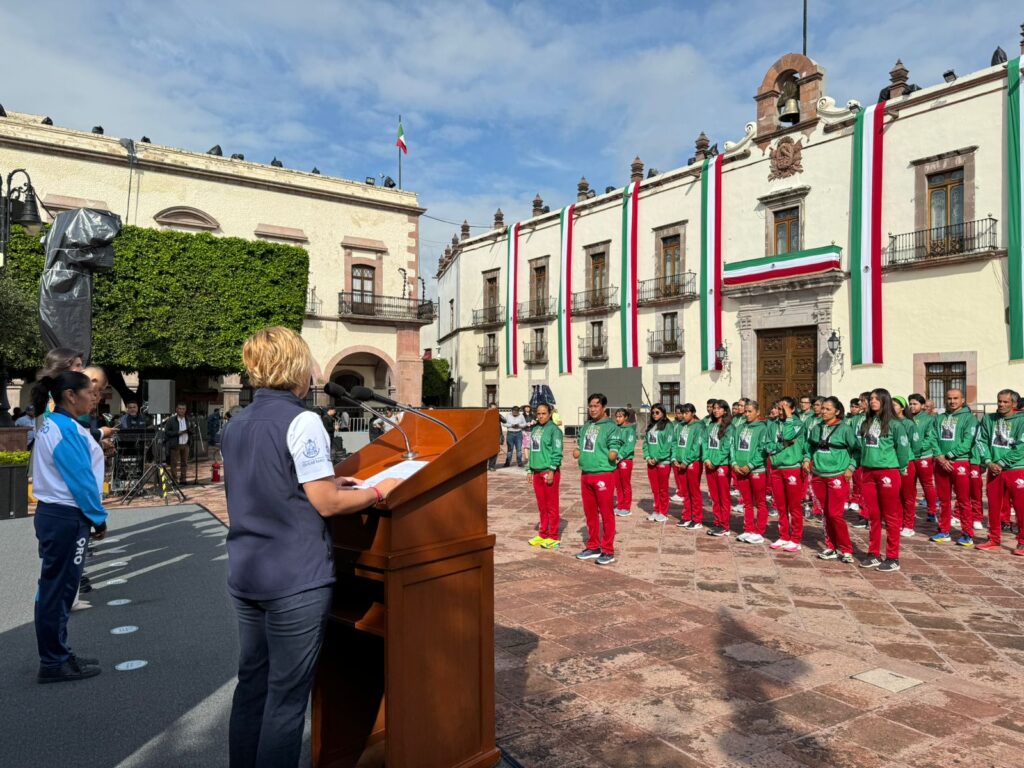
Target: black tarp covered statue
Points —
{"points": [[78, 244]]}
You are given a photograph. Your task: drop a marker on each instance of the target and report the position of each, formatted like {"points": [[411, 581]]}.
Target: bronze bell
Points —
{"points": [[790, 112]]}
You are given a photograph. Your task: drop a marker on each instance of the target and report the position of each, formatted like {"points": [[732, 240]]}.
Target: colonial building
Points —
{"points": [[832, 249], [364, 312]]}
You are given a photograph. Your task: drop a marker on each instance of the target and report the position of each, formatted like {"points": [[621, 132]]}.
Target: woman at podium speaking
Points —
{"points": [[280, 485]]}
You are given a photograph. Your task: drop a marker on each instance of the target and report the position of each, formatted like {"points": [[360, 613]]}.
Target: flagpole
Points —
{"points": [[399, 159]]}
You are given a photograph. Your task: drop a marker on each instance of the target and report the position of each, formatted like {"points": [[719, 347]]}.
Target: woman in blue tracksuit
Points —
{"points": [[67, 475]]}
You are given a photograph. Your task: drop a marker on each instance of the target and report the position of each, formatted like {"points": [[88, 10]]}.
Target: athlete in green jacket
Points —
{"points": [[543, 463], [955, 433], [598, 453], [1001, 443], [829, 458]]}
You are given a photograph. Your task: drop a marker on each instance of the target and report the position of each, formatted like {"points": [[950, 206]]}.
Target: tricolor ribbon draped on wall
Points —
{"points": [[1015, 204], [866, 236], [565, 291], [710, 262], [511, 302], [628, 310]]}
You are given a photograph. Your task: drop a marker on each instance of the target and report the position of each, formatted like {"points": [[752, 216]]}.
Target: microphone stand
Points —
{"points": [[341, 393], [371, 395]]}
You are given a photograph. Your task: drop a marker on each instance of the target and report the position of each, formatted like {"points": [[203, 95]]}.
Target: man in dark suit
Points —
{"points": [[176, 434]]}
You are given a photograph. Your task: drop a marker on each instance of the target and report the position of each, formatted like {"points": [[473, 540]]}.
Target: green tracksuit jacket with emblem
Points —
{"points": [[831, 449], [627, 433], [658, 443], [788, 452], [545, 447], [954, 434], [751, 442], [596, 440], [1001, 441], [689, 442], [878, 451]]}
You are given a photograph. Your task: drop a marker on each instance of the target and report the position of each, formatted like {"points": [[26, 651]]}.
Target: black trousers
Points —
{"points": [[63, 535], [279, 641]]}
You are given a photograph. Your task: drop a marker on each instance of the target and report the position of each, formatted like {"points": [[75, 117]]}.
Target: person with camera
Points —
{"points": [[176, 434], [131, 419], [280, 486], [67, 474]]}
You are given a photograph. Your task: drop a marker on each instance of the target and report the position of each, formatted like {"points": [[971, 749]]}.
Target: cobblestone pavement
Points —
{"points": [[697, 651]]}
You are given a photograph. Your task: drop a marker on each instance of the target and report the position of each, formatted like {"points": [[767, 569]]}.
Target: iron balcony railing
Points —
{"points": [[665, 343], [494, 315], [487, 357], [593, 347], [539, 309], [924, 244], [596, 300], [314, 305], [370, 307], [681, 286], [535, 352]]}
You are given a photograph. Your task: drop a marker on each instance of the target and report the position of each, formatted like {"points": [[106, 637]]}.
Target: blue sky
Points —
{"points": [[500, 101]]}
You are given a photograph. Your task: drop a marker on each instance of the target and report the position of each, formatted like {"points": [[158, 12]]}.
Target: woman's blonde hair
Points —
{"points": [[278, 358]]}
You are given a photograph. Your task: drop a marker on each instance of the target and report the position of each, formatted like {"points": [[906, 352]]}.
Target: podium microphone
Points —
{"points": [[340, 393], [365, 393]]}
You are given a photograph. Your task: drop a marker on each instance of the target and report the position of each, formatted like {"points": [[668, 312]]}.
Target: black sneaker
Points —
{"points": [[861, 523], [589, 554], [871, 562], [69, 670], [84, 661], [889, 566], [847, 558], [684, 524], [828, 554], [606, 559], [717, 530], [1007, 528]]}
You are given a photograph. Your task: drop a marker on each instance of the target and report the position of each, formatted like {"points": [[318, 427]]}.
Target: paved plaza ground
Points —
{"points": [[697, 651]]}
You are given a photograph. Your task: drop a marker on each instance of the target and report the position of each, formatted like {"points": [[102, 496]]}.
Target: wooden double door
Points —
{"points": [[787, 363]]}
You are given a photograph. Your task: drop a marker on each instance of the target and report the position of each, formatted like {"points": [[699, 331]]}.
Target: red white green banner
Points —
{"points": [[565, 291], [400, 143], [511, 302], [710, 262], [628, 313], [796, 264], [866, 237], [1015, 200]]}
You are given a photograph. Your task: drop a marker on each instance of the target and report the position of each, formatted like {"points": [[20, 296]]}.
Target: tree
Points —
{"points": [[436, 386]]}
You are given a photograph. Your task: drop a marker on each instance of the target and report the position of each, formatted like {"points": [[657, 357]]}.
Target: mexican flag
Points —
{"points": [[796, 264], [866, 237], [710, 262], [628, 313], [565, 291], [400, 143], [511, 302], [1015, 202]]}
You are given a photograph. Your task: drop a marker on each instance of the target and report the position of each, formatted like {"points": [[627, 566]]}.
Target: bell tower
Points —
{"points": [[788, 96]]}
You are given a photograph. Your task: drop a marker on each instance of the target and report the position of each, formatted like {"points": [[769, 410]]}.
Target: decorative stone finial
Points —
{"points": [[701, 144], [538, 205], [499, 219], [636, 169], [582, 188], [465, 229], [455, 242], [898, 80]]}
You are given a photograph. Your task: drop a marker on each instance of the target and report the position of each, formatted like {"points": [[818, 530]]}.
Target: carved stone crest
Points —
{"points": [[785, 159]]}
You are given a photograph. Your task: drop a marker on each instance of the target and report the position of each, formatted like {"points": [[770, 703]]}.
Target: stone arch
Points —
{"points": [[187, 217], [341, 358], [811, 82]]}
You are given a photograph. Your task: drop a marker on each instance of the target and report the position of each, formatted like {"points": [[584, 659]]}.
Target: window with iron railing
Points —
{"points": [[492, 315], [600, 299], [537, 309], [680, 286], [964, 238], [593, 347], [488, 355], [665, 342], [535, 351]]}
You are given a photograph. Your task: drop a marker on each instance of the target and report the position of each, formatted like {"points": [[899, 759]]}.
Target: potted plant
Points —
{"points": [[14, 484]]}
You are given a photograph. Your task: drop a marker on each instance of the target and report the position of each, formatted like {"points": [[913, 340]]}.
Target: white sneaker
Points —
{"points": [[907, 533], [696, 526], [623, 512], [659, 518], [737, 508], [650, 516], [743, 537], [846, 507], [978, 526], [854, 507], [954, 522], [676, 499], [778, 544], [791, 546], [755, 538], [734, 493]]}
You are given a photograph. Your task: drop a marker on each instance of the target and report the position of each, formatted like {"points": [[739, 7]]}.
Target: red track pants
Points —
{"points": [[882, 498], [925, 470], [753, 489], [908, 495], [788, 489], [693, 501], [1003, 489], [624, 484], [946, 482], [718, 490], [833, 493], [597, 491], [547, 504], [658, 478]]}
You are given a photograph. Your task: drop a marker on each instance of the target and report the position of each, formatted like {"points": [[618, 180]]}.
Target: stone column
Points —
{"points": [[408, 379], [230, 389]]}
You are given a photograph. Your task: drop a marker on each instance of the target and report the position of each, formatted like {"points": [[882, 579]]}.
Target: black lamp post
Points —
{"points": [[722, 353], [833, 343], [18, 207]]}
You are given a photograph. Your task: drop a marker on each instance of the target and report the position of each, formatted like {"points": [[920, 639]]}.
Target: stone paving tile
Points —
{"points": [[696, 651]]}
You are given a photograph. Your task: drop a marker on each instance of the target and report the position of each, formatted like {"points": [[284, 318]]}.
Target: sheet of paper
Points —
{"points": [[401, 471]]}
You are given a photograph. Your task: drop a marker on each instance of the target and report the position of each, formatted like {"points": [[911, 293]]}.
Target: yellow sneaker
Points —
{"points": [[551, 544], [536, 541]]}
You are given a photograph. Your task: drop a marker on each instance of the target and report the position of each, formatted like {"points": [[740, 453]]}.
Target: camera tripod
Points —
{"points": [[161, 475]]}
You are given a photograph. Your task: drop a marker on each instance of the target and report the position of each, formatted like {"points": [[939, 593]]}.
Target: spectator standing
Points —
{"points": [[176, 441], [515, 424], [28, 420]]}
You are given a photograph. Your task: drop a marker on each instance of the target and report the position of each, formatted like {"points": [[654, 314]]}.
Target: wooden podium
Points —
{"points": [[406, 673]]}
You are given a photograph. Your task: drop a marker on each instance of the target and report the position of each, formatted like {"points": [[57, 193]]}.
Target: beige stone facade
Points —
{"points": [[371, 337], [944, 286]]}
